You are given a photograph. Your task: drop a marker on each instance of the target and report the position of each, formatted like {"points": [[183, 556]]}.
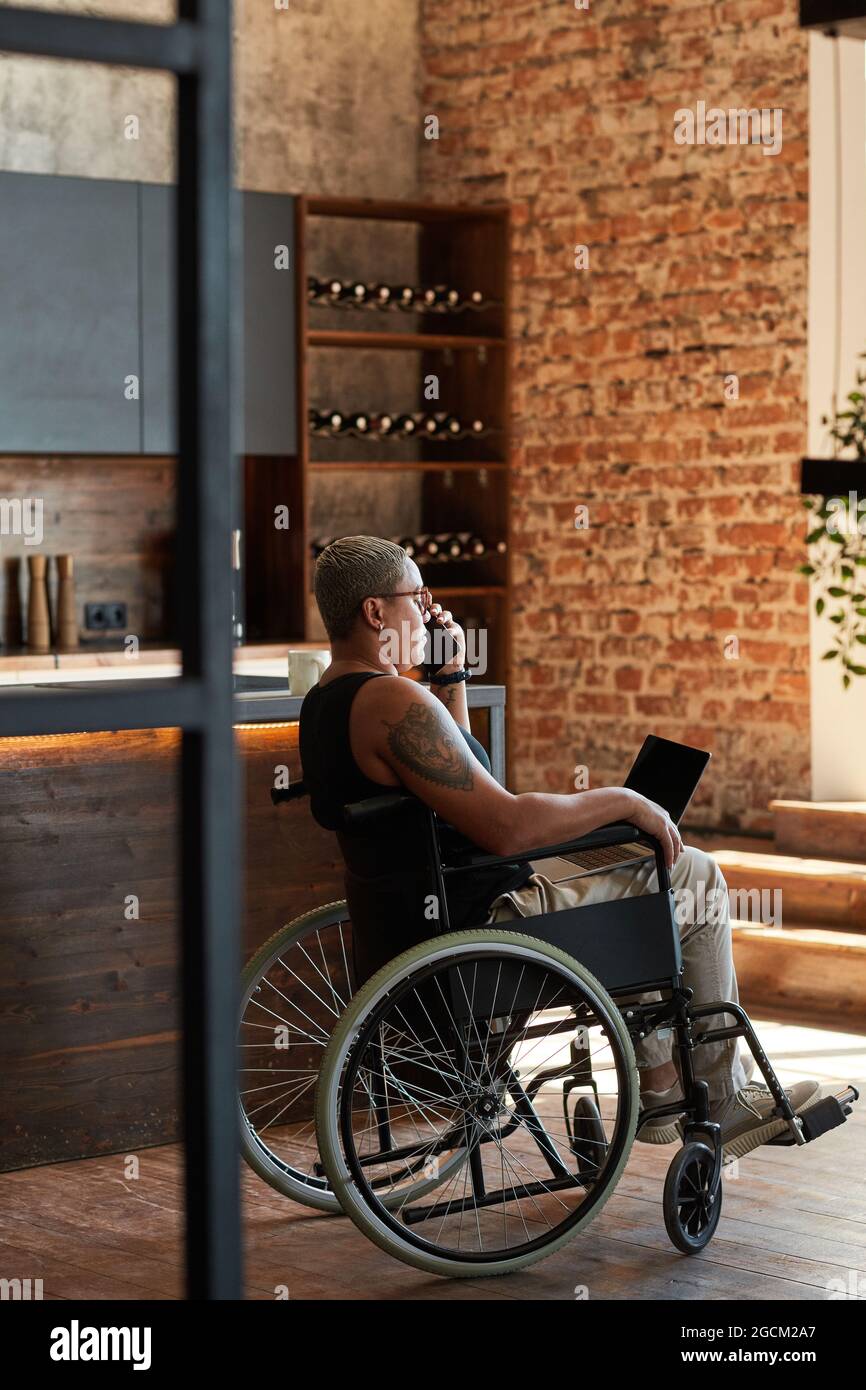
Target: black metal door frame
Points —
{"points": [[197, 49]]}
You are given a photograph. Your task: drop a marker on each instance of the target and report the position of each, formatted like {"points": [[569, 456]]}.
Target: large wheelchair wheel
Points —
{"points": [[469, 1040], [293, 991]]}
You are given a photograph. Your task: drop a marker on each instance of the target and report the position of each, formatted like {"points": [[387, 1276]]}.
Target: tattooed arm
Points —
{"points": [[453, 697], [415, 736]]}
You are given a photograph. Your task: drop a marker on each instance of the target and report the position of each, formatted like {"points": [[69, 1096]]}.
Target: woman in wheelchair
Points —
{"points": [[360, 737], [506, 1070]]}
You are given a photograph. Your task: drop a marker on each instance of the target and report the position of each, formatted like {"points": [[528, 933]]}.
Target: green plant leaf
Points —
{"points": [[815, 535], [820, 605], [836, 592], [828, 656], [805, 569]]}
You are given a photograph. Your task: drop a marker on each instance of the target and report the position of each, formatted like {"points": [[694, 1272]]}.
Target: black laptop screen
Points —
{"points": [[668, 773]]}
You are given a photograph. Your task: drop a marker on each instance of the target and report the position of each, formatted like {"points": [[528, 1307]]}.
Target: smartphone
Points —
{"points": [[438, 650]]}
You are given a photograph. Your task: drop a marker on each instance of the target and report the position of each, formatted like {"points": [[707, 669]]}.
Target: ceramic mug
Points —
{"points": [[305, 668]]}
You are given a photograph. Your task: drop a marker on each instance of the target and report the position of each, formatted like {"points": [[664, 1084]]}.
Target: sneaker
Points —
{"points": [[747, 1118], [664, 1130]]}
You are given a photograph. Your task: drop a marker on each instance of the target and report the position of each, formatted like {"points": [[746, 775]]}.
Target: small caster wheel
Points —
{"points": [[692, 1206], [588, 1139]]}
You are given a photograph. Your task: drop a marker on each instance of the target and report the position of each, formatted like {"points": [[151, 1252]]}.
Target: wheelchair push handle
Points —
{"points": [[293, 793]]}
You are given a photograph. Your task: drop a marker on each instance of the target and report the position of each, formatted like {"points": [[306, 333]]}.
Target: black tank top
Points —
{"points": [[335, 779]]}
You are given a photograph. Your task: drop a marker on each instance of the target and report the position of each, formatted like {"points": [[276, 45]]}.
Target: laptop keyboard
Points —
{"points": [[607, 854]]}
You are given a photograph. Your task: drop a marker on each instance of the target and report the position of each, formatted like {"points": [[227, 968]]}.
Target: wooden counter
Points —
{"points": [[89, 985]]}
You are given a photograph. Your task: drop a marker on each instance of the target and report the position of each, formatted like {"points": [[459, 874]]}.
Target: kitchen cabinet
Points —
{"points": [[87, 351], [158, 385], [269, 337], [69, 309], [267, 344]]}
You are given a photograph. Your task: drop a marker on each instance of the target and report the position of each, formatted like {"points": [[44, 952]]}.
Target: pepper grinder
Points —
{"points": [[67, 622], [38, 617], [13, 616]]}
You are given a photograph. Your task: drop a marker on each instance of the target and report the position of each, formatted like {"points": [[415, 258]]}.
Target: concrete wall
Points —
{"points": [[325, 101]]}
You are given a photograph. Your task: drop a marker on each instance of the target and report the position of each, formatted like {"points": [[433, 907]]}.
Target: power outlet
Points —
{"points": [[104, 617]]}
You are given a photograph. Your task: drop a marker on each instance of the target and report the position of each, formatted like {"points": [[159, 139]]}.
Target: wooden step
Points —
{"points": [[805, 974], [819, 891], [830, 829]]}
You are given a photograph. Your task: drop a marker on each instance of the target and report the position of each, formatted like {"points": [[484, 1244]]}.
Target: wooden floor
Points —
{"points": [[793, 1225]]}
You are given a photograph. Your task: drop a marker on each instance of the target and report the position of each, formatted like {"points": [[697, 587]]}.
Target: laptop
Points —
{"points": [[664, 771]]}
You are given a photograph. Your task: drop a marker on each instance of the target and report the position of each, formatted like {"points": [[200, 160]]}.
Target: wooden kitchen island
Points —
{"points": [[89, 946]]}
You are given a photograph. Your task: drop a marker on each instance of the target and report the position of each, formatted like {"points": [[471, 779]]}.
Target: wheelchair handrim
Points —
{"points": [[347, 1047]]}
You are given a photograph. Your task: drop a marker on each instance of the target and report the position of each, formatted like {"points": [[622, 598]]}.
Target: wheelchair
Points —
{"points": [[472, 1105]]}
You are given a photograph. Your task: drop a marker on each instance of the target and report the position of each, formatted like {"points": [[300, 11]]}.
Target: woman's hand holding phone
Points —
{"points": [[439, 617]]}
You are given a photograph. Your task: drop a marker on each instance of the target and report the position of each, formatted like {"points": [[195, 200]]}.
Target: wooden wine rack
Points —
{"points": [[464, 485]]}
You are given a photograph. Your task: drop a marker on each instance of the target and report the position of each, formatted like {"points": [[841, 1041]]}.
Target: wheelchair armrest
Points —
{"points": [[363, 815], [617, 833]]}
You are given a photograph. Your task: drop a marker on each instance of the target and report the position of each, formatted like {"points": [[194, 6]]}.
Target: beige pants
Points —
{"points": [[701, 898]]}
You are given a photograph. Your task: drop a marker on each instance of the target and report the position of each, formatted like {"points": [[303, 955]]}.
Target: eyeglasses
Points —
{"points": [[423, 597]]}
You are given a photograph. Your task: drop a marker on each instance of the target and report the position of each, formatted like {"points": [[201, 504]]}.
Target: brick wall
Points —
{"points": [[697, 270]]}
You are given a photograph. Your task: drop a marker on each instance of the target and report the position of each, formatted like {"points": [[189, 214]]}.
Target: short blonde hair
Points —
{"points": [[348, 571]]}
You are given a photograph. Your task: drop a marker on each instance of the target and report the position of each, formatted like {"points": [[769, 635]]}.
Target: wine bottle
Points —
{"points": [[334, 289], [328, 421], [314, 288], [427, 546], [408, 544], [404, 296], [447, 298], [404, 424], [358, 292], [383, 424], [449, 546], [472, 545], [477, 426], [429, 297], [359, 422], [451, 425], [427, 424], [324, 421], [381, 294]]}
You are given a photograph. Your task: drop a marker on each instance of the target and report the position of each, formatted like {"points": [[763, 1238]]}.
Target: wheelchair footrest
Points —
{"points": [[817, 1120]]}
